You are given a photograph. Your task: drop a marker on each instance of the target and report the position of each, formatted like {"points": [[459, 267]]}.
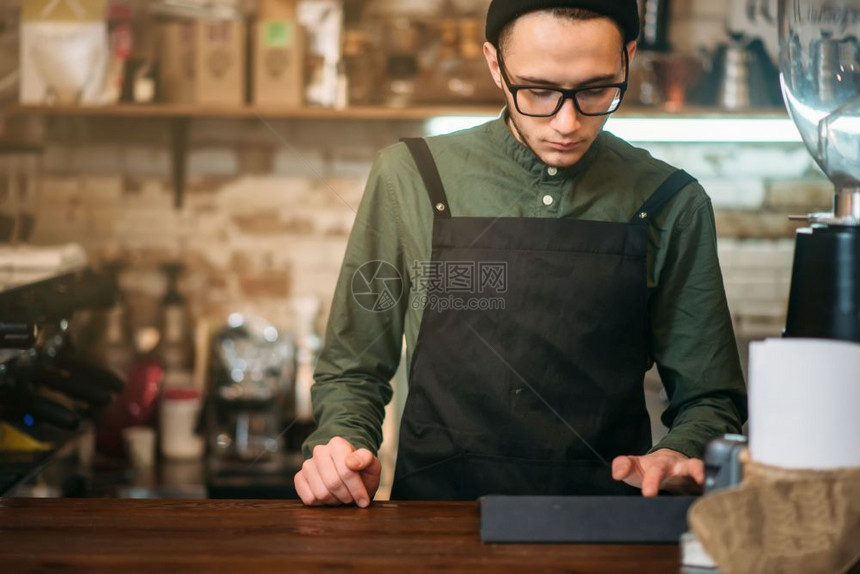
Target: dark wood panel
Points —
{"points": [[102, 535]]}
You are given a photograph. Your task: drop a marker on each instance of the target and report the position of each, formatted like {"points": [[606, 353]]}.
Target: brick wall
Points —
{"points": [[269, 206], [267, 211]]}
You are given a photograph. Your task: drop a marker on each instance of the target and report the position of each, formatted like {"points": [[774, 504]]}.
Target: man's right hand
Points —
{"points": [[338, 474]]}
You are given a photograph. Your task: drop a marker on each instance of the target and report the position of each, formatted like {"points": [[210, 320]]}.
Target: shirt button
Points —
{"points": [[553, 171], [548, 200]]}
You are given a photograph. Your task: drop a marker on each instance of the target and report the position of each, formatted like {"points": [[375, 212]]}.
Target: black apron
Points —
{"points": [[537, 397]]}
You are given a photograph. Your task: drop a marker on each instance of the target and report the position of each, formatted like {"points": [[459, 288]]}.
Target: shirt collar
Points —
{"points": [[506, 141]]}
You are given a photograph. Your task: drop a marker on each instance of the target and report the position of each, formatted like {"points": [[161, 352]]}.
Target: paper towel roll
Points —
{"points": [[805, 403]]}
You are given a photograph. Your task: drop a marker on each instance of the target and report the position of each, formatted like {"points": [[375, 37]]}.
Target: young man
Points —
{"points": [[590, 259]]}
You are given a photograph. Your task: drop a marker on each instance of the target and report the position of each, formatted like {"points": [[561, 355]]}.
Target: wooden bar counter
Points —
{"points": [[245, 537]]}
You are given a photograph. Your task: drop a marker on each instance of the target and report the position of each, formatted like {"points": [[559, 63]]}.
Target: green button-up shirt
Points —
{"points": [[487, 172]]}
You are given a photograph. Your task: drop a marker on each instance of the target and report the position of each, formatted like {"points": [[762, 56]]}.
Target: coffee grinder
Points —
{"points": [[820, 77], [250, 399]]}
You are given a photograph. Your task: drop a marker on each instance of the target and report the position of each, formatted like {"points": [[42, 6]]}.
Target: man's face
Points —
{"points": [[545, 50]]}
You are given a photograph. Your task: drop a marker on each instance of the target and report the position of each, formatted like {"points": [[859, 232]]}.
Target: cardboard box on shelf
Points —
{"points": [[64, 52], [79, 11], [221, 63], [278, 59], [203, 62], [176, 66], [276, 10]]}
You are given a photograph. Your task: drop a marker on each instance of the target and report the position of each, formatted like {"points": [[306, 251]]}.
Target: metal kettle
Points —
{"points": [[743, 76], [734, 91]]}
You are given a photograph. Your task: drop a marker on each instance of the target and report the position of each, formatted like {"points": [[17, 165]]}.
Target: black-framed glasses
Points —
{"points": [[545, 102]]}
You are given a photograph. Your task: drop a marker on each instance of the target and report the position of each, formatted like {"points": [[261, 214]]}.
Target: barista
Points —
{"points": [[590, 261]]}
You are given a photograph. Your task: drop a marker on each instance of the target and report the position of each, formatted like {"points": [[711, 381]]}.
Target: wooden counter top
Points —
{"points": [[245, 537]]}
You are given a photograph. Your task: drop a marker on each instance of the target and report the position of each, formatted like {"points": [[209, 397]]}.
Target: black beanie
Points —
{"points": [[503, 12]]}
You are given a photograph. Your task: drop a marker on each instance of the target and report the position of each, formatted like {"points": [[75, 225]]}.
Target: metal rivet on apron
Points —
{"points": [[643, 215], [440, 207]]}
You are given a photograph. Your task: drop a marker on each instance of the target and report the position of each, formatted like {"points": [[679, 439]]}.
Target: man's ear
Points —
{"points": [[631, 51], [493, 63]]}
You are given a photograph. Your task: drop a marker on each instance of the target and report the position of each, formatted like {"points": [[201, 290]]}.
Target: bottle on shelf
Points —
{"points": [[402, 68], [113, 347], [176, 348]]}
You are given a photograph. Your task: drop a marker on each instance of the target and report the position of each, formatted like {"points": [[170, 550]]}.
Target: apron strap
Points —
{"points": [[667, 190], [430, 174]]}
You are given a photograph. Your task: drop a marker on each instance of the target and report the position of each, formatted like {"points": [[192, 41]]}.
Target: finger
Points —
{"points": [[691, 470], [681, 485], [329, 475], [369, 470], [303, 489], [351, 478], [696, 469], [622, 467], [320, 492], [653, 479], [360, 460]]}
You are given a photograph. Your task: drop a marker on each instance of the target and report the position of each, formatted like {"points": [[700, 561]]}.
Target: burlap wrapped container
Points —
{"points": [[783, 521]]}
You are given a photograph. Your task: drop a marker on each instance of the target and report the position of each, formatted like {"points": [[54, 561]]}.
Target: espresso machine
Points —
{"points": [[820, 77], [249, 399]]}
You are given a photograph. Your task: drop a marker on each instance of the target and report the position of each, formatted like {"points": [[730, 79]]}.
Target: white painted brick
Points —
{"points": [[142, 222], [727, 250], [721, 161], [152, 194], [214, 253], [220, 161], [295, 162], [96, 159], [746, 193], [338, 194], [134, 242], [344, 165], [102, 221], [145, 160], [802, 195], [766, 309], [250, 194], [778, 161], [57, 159], [101, 191], [333, 222], [761, 274], [319, 283], [758, 289], [756, 330], [60, 190], [783, 253], [315, 251], [61, 223], [759, 255]]}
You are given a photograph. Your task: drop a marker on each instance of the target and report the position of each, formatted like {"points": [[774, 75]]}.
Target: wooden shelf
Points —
{"points": [[192, 111], [181, 116], [374, 113]]}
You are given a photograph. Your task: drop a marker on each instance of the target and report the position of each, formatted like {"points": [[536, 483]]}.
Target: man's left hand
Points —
{"points": [[663, 469]]}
